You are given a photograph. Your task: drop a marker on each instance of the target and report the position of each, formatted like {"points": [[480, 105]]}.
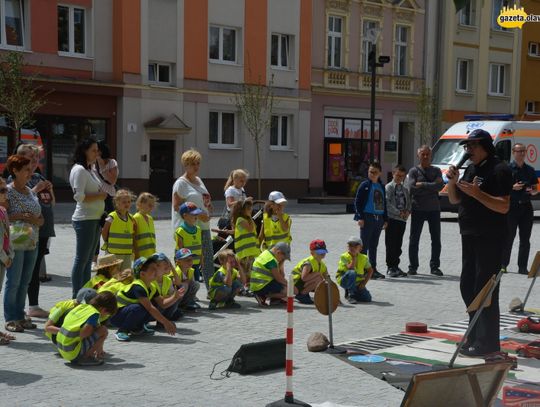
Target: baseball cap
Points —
{"points": [[189, 207], [477, 135], [318, 246], [284, 248], [354, 240], [277, 197], [85, 295], [183, 253], [161, 257], [141, 261]]}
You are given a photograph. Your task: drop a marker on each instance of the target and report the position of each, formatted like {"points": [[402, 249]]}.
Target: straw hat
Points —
{"points": [[106, 261]]}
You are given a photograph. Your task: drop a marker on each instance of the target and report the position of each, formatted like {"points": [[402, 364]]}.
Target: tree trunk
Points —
{"points": [[258, 157]]}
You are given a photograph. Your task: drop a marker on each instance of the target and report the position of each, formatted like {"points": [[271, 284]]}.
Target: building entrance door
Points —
{"points": [[162, 168]]}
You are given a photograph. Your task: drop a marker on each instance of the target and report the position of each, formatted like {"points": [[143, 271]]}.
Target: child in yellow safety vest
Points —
{"points": [[119, 230], [246, 244], [145, 235], [276, 225], [309, 272], [136, 302], [225, 284], [189, 235], [354, 272], [81, 337], [107, 266], [184, 276], [165, 287], [62, 308]]}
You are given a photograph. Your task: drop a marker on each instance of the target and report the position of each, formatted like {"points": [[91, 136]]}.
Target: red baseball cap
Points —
{"points": [[318, 246]]}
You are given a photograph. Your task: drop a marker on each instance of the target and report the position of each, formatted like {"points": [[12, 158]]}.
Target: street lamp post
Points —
{"points": [[373, 65]]}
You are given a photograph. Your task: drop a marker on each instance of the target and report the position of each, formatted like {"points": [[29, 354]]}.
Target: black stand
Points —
{"points": [[288, 401], [333, 350]]}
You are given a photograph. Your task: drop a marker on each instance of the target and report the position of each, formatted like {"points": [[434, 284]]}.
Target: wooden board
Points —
{"points": [[535, 267], [321, 297]]}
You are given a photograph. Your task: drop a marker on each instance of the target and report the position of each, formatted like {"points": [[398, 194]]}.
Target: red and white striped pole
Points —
{"points": [[289, 398]]}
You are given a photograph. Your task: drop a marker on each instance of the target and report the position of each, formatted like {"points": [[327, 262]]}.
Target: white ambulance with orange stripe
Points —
{"points": [[447, 150]]}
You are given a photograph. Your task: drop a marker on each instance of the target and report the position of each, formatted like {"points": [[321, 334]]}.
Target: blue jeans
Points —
{"points": [[348, 282], [433, 219], [87, 239], [18, 277], [370, 233], [131, 318], [225, 293]]}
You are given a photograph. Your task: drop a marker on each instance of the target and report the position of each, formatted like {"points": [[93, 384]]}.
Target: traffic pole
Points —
{"points": [[289, 399]]}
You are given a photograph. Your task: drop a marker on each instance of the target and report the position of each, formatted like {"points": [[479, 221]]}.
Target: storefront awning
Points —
{"points": [[170, 125]]}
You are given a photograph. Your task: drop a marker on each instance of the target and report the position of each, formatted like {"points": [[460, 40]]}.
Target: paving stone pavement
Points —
{"points": [[174, 371]]}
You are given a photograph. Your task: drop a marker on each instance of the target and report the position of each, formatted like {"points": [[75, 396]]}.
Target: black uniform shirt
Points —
{"points": [[525, 174], [475, 218]]}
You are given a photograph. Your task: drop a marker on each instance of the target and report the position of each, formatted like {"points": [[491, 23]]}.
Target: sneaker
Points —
{"points": [[149, 329], [504, 269], [304, 299], [212, 306], [393, 272], [278, 301], [437, 272], [352, 300], [261, 299], [248, 293], [412, 272], [523, 271], [192, 306], [401, 272], [89, 361], [122, 336], [376, 275], [346, 294], [37, 312], [233, 304]]}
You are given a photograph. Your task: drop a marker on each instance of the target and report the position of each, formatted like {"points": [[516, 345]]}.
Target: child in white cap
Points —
{"points": [[276, 223]]}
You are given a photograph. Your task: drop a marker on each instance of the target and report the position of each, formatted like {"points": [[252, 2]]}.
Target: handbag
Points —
{"points": [[23, 235]]}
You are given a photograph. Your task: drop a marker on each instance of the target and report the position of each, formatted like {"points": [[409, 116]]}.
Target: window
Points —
{"points": [[463, 74], [400, 64], [496, 79], [531, 107], [221, 129], [366, 44], [280, 131], [497, 6], [467, 15], [280, 50], [159, 73], [71, 30], [11, 23], [533, 49], [335, 29], [222, 46]]}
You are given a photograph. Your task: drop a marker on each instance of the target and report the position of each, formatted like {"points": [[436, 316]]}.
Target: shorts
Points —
{"points": [[273, 287], [86, 344]]}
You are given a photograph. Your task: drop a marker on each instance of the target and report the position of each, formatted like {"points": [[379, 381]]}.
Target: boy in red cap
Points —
{"points": [[309, 272]]}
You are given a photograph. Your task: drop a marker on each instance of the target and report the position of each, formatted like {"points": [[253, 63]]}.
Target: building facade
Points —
{"points": [[529, 89], [340, 144]]}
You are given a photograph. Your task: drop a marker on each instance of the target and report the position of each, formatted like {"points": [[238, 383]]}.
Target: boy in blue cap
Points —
{"points": [[189, 235], [183, 275], [165, 286]]}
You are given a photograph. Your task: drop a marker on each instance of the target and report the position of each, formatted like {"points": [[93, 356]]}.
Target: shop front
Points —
{"points": [[347, 152]]}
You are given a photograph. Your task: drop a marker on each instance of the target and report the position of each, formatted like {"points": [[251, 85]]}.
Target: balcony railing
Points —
{"points": [[336, 79]]}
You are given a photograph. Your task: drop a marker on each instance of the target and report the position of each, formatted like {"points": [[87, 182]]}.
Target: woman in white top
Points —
{"points": [[106, 169], [189, 187], [90, 197]]}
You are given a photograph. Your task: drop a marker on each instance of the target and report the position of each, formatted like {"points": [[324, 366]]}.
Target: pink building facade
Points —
{"points": [[340, 144]]}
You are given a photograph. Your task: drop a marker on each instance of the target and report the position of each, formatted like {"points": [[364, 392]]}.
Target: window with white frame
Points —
{"points": [[401, 50], [530, 107], [495, 11], [366, 43], [222, 129], [335, 37], [12, 23], [280, 50], [71, 30], [160, 73], [534, 49], [280, 131], [497, 79], [467, 15], [222, 44], [463, 75]]}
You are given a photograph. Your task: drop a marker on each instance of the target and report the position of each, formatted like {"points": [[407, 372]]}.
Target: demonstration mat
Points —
{"points": [[406, 354]]}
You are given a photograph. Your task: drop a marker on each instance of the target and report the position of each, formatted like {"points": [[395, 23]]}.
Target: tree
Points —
{"points": [[255, 103], [19, 98], [427, 108]]}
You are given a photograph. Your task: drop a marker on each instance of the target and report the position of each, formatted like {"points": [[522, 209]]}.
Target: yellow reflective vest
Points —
{"points": [[216, 282], [68, 340], [190, 274], [245, 242], [145, 236], [122, 299], [316, 267], [191, 241], [359, 267], [120, 240], [58, 313], [274, 233], [96, 282], [260, 274], [163, 289]]}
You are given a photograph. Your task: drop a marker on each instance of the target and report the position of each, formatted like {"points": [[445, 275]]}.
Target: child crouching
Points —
{"points": [[165, 289], [225, 284], [309, 272], [354, 272], [183, 275]]}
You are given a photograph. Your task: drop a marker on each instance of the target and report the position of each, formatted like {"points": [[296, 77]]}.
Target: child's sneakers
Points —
{"points": [[90, 361], [261, 299], [215, 305], [192, 306], [122, 336], [304, 299]]}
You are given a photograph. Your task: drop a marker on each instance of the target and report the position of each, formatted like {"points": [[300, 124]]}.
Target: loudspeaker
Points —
{"points": [[259, 356]]}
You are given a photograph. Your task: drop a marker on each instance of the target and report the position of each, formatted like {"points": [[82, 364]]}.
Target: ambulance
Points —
{"points": [[505, 134], [30, 136]]}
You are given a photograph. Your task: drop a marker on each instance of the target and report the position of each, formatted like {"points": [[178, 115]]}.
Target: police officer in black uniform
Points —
{"points": [[483, 195], [521, 211]]}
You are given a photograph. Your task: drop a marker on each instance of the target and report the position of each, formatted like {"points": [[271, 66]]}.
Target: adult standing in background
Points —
{"points": [[189, 187], [521, 214], [22, 205], [425, 182], [90, 199], [483, 195], [43, 188]]}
